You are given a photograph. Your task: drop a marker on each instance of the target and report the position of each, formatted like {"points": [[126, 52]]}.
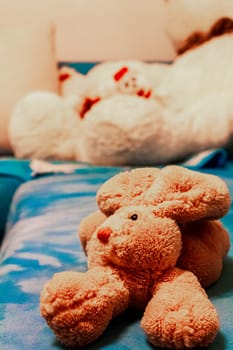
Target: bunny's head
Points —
{"points": [[145, 210]]}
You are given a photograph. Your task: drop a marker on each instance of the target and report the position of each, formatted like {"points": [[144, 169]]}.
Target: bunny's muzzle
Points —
{"points": [[103, 234]]}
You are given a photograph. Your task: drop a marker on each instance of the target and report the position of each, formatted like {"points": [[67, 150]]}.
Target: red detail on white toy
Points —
{"points": [[143, 93], [87, 105], [64, 76], [118, 75], [103, 234]]}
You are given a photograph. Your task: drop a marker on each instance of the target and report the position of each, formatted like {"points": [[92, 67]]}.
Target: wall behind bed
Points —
{"points": [[93, 30]]}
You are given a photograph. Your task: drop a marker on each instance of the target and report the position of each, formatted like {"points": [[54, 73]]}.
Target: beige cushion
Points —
{"points": [[27, 63], [184, 17]]}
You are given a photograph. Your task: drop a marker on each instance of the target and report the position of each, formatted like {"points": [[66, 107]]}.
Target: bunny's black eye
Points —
{"points": [[134, 217]]}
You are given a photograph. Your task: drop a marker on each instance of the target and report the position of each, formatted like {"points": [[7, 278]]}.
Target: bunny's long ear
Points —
{"points": [[125, 188], [187, 195]]}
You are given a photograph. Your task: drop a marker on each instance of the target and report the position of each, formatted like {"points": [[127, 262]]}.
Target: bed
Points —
{"points": [[41, 239]]}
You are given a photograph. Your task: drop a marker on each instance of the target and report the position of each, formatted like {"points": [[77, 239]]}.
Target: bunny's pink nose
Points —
{"points": [[103, 234]]}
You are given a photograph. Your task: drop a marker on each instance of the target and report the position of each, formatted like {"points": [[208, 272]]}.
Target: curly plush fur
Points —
{"points": [[156, 236]]}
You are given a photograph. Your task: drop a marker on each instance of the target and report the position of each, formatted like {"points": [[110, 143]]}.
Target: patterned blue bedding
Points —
{"points": [[41, 240]]}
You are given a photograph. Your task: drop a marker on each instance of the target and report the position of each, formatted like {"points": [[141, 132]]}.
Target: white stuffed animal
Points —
{"points": [[62, 127], [129, 112]]}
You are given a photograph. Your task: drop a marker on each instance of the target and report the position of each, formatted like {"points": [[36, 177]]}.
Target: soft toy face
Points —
{"points": [[135, 238], [130, 81]]}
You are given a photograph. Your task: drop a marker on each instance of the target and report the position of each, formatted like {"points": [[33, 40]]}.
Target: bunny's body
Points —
{"points": [[133, 256]]}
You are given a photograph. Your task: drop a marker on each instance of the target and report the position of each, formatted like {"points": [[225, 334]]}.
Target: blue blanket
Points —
{"points": [[41, 239]]}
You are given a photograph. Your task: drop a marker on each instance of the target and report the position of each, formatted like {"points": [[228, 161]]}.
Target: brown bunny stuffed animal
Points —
{"points": [[152, 220], [204, 242]]}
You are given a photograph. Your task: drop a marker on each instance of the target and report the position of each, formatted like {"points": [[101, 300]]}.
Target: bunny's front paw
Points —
{"points": [[78, 306]]}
